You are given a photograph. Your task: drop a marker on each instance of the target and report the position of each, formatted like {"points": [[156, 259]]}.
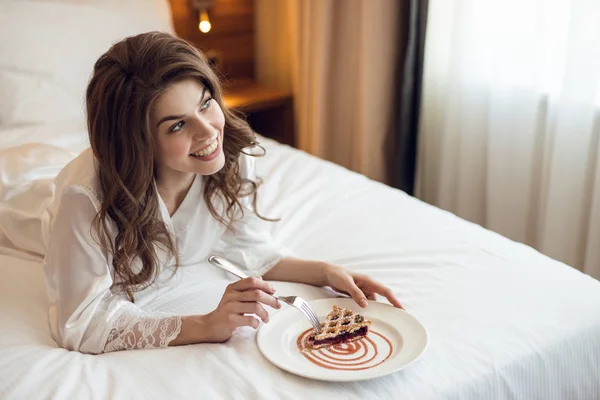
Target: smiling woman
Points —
{"points": [[165, 83], [169, 181]]}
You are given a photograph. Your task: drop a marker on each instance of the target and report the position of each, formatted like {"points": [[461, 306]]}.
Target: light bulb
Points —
{"points": [[204, 24]]}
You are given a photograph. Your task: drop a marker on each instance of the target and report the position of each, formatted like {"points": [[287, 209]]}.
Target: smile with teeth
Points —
{"points": [[207, 151]]}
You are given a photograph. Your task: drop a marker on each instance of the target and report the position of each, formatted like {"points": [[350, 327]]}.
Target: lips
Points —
{"points": [[208, 150]]}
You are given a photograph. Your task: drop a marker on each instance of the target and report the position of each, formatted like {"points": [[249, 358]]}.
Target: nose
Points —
{"points": [[203, 131]]}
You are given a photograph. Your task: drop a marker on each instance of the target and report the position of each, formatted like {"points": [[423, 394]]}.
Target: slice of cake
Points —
{"points": [[340, 326]]}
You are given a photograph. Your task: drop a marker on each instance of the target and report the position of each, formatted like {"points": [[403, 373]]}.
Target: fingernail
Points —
{"points": [[278, 304], [363, 303]]}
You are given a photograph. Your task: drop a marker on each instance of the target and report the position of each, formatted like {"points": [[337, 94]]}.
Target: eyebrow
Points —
{"points": [[173, 117]]}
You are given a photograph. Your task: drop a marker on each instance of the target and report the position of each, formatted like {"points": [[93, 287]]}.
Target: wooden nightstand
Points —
{"points": [[268, 111]]}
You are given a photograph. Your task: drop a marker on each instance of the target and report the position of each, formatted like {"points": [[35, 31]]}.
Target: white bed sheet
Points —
{"points": [[504, 321]]}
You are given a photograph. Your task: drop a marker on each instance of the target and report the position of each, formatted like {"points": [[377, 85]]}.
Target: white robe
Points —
{"points": [[85, 314]]}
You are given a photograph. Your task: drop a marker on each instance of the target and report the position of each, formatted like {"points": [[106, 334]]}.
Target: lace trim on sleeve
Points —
{"points": [[142, 332]]}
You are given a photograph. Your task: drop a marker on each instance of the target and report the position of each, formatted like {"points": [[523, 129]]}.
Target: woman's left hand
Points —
{"points": [[360, 287]]}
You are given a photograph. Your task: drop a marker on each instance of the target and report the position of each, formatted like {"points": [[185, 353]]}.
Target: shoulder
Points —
{"points": [[76, 200], [79, 178], [76, 187]]}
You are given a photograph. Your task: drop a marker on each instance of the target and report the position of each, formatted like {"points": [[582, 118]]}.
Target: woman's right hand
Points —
{"points": [[246, 296]]}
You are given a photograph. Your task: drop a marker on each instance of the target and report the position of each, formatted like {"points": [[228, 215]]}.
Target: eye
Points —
{"points": [[177, 127], [206, 103]]}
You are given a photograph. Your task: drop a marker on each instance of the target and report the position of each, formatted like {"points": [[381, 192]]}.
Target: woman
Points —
{"points": [[168, 181]]}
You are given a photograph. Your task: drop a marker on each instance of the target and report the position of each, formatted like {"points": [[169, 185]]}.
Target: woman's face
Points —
{"points": [[188, 126]]}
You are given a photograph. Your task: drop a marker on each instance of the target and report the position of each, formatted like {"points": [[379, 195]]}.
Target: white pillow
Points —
{"points": [[48, 49], [27, 175], [71, 136]]}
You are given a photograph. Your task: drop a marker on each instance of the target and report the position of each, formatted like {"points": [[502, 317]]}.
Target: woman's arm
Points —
{"points": [[194, 329], [246, 296], [361, 287], [297, 270], [86, 316]]}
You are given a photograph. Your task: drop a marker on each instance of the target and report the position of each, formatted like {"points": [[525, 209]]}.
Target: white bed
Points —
{"points": [[504, 321]]}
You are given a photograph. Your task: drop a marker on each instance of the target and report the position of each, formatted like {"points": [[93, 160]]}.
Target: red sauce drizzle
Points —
{"points": [[350, 356]]}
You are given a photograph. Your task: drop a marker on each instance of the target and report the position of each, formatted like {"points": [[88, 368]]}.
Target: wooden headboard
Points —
{"points": [[231, 40]]}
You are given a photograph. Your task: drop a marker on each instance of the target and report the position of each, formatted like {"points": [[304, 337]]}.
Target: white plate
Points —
{"points": [[277, 341]]}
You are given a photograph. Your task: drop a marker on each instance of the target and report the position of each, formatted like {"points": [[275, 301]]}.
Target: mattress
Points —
{"points": [[504, 321]]}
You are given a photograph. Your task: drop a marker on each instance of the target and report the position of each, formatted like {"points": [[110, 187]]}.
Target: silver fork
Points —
{"points": [[294, 301]]}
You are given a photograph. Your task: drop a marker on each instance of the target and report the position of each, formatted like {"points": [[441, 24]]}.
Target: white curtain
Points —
{"points": [[510, 121]]}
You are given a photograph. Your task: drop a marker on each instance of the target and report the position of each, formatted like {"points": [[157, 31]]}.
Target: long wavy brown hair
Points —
{"points": [[126, 81]]}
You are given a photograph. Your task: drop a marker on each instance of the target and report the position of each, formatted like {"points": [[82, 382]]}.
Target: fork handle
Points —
{"points": [[227, 266], [230, 267]]}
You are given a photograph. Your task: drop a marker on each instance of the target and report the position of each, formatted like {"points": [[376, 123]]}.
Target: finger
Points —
{"points": [[357, 294], [246, 320], [252, 308], [371, 297], [251, 283], [387, 293], [257, 295], [340, 291]]}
